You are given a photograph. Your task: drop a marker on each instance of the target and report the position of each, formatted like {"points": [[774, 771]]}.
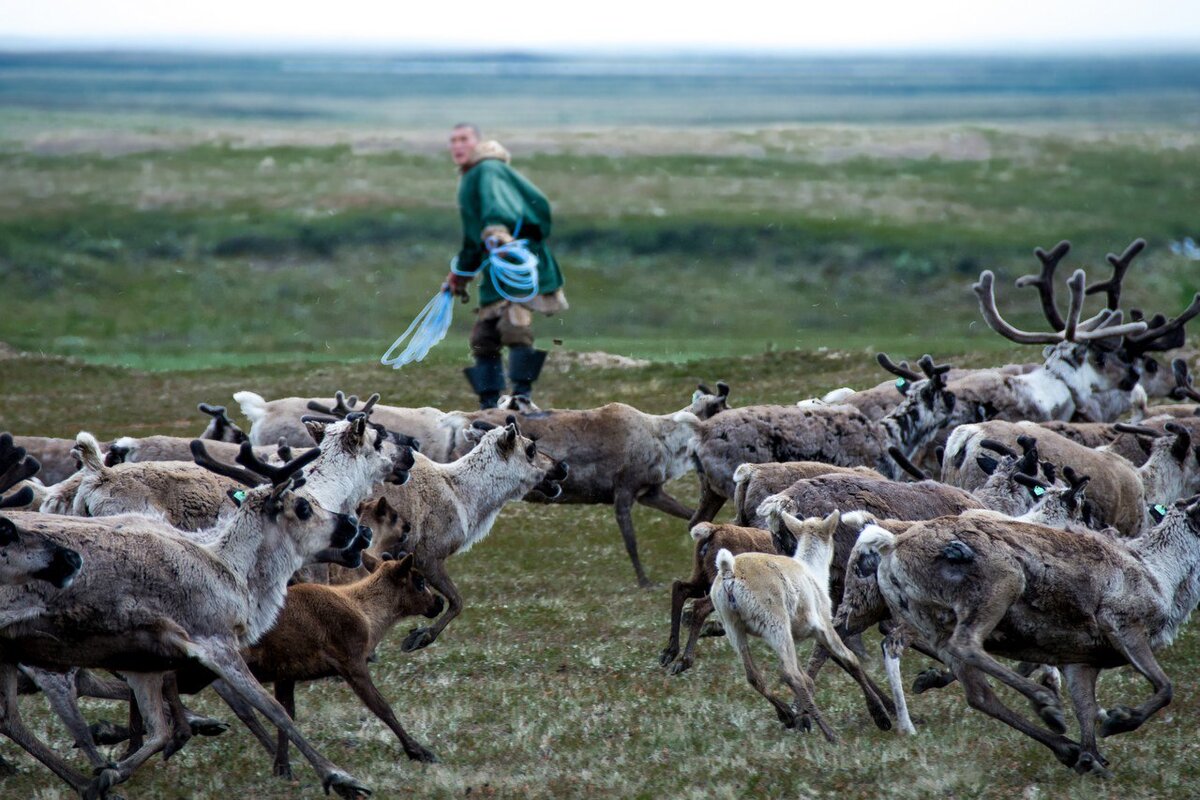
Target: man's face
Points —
{"points": [[462, 144]]}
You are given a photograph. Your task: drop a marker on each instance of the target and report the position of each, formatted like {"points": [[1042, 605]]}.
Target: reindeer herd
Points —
{"points": [[1054, 542]]}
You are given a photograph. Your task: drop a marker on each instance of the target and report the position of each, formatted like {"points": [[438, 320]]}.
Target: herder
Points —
{"points": [[497, 202]]}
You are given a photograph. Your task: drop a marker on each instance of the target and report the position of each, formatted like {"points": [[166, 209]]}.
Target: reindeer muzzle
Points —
{"points": [[551, 485], [64, 566], [401, 466]]}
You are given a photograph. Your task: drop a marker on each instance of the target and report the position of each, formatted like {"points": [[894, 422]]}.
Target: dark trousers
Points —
{"points": [[490, 335]]}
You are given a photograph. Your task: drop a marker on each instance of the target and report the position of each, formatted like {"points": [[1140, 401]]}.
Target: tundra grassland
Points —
{"points": [[177, 228], [548, 685]]}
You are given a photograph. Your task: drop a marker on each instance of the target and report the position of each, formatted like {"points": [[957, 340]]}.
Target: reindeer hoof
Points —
{"points": [[105, 779], [207, 726], [345, 786], [646, 583], [931, 679], [1054, 719], [681, 666], [1067, 752], [712, 629], [6, 768], [1089, 764], [668, 655], [284, 771], [1118, 719], [108, 733], [416, 639], [175, 745], [419, 753]]}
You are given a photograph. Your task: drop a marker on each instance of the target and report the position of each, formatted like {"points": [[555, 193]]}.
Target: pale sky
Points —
{"points": [[1042, 25]]}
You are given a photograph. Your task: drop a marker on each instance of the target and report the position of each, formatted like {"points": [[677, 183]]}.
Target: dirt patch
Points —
{"points": [[7, 351], [567, 360]]}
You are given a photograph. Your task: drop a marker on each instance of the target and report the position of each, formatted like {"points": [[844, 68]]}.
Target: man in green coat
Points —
{"points": [[497, 202]]}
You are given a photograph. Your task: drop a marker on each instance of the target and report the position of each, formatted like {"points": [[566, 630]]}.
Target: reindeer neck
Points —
{"points": [[265, 562], [1163, 478], [1171, 553], [375, 598]]}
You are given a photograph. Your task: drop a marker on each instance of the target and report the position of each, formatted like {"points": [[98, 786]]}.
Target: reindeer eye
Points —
{"points": [[419, 583], [531, 450], [303, 509]]}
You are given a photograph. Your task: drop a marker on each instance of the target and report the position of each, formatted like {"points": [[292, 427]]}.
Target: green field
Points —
{"points": [[177, 228]]}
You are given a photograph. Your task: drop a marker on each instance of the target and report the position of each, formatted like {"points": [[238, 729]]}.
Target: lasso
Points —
{"points": [[514, 272]]}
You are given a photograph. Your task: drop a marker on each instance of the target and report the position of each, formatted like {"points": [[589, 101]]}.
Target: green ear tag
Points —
{"points": [[1038, 491], [1161, 509], [240, 496]]}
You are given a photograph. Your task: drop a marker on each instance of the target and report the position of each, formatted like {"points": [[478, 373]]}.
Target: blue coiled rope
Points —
{"points": [[514, 272]]}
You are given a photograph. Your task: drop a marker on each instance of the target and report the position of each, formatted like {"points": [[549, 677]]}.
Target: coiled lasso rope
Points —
{"points": [[511, 265]]}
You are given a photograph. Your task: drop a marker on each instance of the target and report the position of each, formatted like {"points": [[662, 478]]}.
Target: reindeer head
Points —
{"points": [[1085, 355], [1056, 505], [1173, 466], [706, 403], [356, 456], [410, 593], [809, 540], [506, 444], [273, 500], [28, 555], [221, 428], [928, 407]]}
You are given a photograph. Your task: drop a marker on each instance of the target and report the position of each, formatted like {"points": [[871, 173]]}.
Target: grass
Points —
{"points": [[177, 228], [548, 685]]}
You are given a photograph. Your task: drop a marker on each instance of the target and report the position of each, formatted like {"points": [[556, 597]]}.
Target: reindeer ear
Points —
{"points": [[723, 389], [405, 564], [987, 464], [238, 496], [358, 426], [830, 523], [509, 440], [315, 429]]}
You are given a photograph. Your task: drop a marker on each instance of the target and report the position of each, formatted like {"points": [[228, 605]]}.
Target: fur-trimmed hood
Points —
{"points": [[488, 150]]}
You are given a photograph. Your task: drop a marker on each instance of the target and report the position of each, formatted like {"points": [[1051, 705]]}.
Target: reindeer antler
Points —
{"points": [[15, 464], [276, 475], [1183, 382], [1045, 281], [1165, 335], [985, 290], [1120, 265], [343, 406], [201, 456], [906, 465], [900, 370]]}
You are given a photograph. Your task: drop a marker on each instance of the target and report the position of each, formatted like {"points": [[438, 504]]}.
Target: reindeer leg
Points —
{"points": [[223, 657], [359, 679], [849, 662], [285, 693], [701, 609], [893, 648], [1081, 683], [741, 646], [12, 726], [710, 504], [147, 690], [59, 689], [658, 498], [781, 641], [435, 575], [681, 591], [1136, 648], [181, 731], [245, 712], [981, 698], [966, 644], [623, 505]]}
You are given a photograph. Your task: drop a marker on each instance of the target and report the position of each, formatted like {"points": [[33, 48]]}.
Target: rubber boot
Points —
{"points": [[487, 379], [524, 366]]}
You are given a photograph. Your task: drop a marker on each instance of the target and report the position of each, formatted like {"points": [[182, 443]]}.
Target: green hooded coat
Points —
{"points": [[493, 193]]}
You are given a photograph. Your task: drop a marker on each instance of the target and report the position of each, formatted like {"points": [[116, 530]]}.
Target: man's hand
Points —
{"points": [[457, 284], [495, 236]]}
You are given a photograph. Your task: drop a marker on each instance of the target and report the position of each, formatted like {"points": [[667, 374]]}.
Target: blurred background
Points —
{"points": [[248, 182]]}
